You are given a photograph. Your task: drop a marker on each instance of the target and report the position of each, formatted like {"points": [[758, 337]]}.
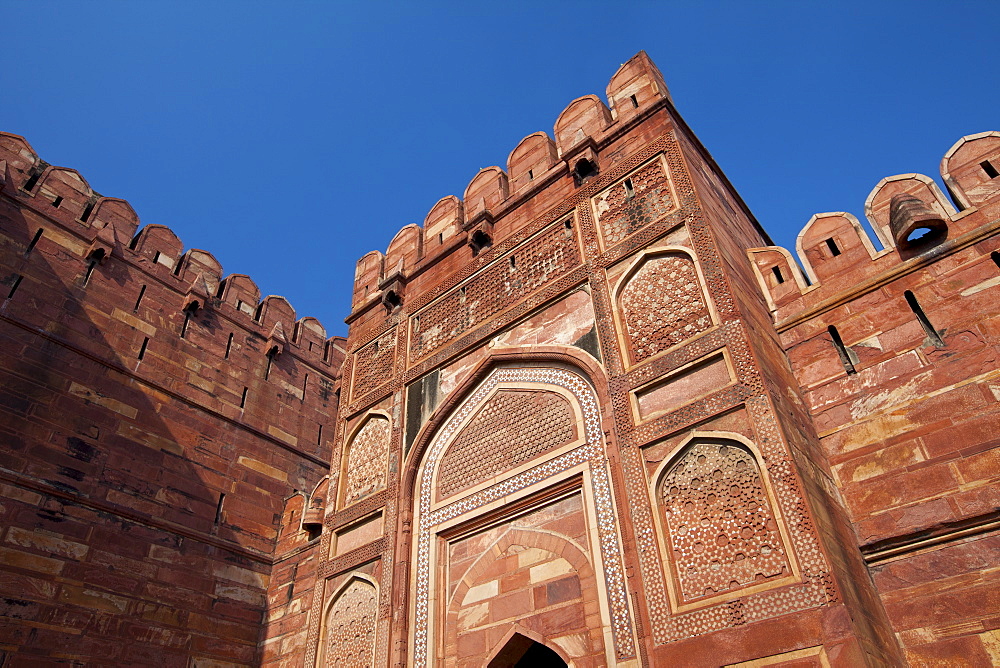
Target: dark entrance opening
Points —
{"points": [[523, 652]]}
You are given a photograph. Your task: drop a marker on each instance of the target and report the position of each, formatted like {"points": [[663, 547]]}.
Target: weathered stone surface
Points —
{"points": [[587, 412]]}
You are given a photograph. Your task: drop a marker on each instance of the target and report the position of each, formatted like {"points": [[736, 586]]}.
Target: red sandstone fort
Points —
{"points": [[585, 415]]}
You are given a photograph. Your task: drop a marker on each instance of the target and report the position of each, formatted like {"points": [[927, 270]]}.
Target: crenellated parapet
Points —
{"points": [[108, 227], [914, 223], [540, 171], [159, 414]]}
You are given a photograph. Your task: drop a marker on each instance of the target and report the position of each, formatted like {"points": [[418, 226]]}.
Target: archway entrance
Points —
{"points": [[523, 652]]}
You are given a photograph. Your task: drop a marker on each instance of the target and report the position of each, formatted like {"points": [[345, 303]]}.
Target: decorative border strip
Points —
{"points": [[591, 452]]}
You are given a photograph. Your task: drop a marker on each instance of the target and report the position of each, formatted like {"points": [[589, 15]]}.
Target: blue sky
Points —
{"points": [[290, 138]]}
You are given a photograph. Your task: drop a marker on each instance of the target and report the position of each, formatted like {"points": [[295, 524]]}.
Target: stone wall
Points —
{"points": [[897, 353], [155, 415]]}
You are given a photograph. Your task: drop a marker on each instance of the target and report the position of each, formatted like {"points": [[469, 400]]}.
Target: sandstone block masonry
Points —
{"points": [[586, 414], [154, 417]]}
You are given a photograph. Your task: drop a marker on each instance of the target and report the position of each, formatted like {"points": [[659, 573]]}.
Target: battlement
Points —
{"points": [[160, 413], [914, 223], [104, 227], [540, 172]]}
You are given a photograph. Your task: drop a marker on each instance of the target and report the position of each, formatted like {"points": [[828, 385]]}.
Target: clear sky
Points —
{"points": [[290, 138]]}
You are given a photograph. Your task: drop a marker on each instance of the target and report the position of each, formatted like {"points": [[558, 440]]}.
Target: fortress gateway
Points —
{"points": [[585, 415]]}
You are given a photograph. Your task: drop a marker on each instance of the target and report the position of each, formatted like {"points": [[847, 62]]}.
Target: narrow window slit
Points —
{"points": [[568, 224], [305, 386], [319, 436], [57, 201], [832, 245], [229, 345], [635, 102], [842, 350], [777, 274], [177, 268], [189, 312], [440, 238], [142, 291], [142, 348], [34, 240], [995, 256], [156, 257], [243, 399], [93, 260], [990, 170], [271, 354], [218, 508], [87, 210], [14, 286], [259, 312], [513, 262], [33, 179], [924, 321], [531, 175]]}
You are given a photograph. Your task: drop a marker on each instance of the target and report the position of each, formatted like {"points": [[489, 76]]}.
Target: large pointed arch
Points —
{"points": [[557, 368], [558, 355]]}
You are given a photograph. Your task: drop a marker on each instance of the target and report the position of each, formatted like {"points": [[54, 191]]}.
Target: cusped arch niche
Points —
{"points": [[349, 624], [366, 460], [661, 303], [724, 535]]}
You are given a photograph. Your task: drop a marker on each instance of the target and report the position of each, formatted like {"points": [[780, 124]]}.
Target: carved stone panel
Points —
{"points": [[500, 285], [367, 460], [721, 526], [373, 364], [663, 304], [350, 627], [632, 203], [512, 428]]}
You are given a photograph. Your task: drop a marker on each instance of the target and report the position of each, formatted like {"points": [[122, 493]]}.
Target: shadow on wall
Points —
{"points": [[122, 538]]}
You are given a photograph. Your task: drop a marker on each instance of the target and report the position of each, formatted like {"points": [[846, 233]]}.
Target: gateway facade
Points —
{"points": [[586, 414]]}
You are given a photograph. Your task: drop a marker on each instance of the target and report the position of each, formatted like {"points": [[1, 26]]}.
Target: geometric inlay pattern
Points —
{"points": [[627, 206], [350, 627], [723, 533], [512, 428], [499, 286], [591, 452], [663, 305], [373, 364], [367, 460]]}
